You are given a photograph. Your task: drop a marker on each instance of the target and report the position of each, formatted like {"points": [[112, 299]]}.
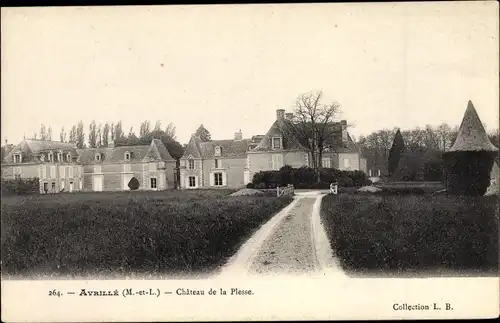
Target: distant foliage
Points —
{"points": [[20, 186], [306, 178], [133, 184], [468, 172], [203, 133]]}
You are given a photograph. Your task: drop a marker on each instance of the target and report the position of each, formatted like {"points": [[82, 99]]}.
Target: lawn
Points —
{"points": [[123, 233], [407, 234]]}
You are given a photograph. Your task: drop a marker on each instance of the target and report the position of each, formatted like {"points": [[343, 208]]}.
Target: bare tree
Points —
{"points": [[313, 126], [62, 135]]}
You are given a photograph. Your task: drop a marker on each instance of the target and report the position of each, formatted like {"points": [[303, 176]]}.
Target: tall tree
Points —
{"points": [[62, 135], [43, 132], [157, 126], [49, 133], [112, 131], [203, 133], [72, 134], [99, 136], [80, 135], [398, 147], [313, 126], [170, 131], [92, 134], [132, 139], [119, 137], [105, 134], [35, 135], [144, 130]]}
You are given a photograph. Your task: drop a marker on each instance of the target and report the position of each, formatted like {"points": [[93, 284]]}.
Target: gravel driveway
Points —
{"points": [[289, 249]]}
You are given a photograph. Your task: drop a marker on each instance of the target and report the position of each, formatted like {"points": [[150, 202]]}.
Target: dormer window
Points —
{"points": [[51, 157], [98, 157], [59, 157], [17, 158], [127, 156], [68, 158], [277, 144], [218, 151]]}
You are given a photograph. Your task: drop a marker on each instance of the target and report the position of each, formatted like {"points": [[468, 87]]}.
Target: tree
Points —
{"points": [[144, 130], [203, 133], [313, 126], [43, 132], [132, 139], [92, 135], [80, 135], [398, 147], [133, 184], [105, 134], [35, 135], [170, 131], [99, 136], [157, 126], [72, 134], [62, 135], [49, 133], [119, 135]]}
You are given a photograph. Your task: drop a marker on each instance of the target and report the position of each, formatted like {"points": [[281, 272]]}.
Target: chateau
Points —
{"points": [[233, 162], [215, 163]]}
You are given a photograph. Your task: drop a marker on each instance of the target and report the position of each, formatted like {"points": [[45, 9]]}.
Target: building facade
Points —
{"points": [[232, 163], [61, 167]]}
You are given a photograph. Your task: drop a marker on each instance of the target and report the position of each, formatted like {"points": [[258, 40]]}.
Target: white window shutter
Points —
{"points": [[224, 178]]}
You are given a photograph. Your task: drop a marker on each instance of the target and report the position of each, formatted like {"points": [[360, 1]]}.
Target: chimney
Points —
{"points": [[289, 116], [6, 149], [238, 135], [343, 123], [280, 114]]}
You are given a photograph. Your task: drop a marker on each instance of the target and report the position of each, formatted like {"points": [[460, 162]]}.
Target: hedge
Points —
{"points": [[468, 172], [20, 186], [305, 178]]}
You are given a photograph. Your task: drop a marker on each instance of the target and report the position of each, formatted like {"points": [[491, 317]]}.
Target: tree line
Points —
{"points": [[376, 146], [101, 135]]}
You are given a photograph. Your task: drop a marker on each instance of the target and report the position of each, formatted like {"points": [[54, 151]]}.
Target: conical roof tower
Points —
{"points": [[471, 135]]}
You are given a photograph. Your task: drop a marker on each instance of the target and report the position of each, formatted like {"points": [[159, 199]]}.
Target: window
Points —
{"points": [[277, 161], [70, 172], [153, 182], [191, 164], [68, 158], [51, 157], [346, 162], [59, 157], [45, 187], [44, 171], [126, 167], [62, 184], [127, 156], [326, 162], [53, 186], [17, 158], [17, 172], [53, 172], [97, 168], [192, 181], [98, 156], [216, 162], [62, 171], [277, 143], [152, 167], [218, 151], [218, 179]]}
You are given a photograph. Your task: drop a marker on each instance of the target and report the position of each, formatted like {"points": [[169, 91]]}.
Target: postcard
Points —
{"points": [[250, 162]]}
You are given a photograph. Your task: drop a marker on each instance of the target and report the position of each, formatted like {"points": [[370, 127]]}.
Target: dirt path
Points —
{"points": [[289, 249], [292, 242]]}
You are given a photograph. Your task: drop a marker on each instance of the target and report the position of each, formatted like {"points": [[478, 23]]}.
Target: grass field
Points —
{"points": [[123, 233], [407, 234]]}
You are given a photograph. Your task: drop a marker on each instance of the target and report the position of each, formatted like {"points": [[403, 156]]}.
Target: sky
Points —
{"points": [[230, 67]]}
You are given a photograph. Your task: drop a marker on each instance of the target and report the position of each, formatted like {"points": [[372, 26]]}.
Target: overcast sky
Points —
{"points": [[230, 67]]}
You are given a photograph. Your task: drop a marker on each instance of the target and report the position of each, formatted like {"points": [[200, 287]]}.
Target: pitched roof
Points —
{"points": [[36, 146], [229, 148], [155, 150], [289, 142], [471, 135], [349, 147], [192, 148]]}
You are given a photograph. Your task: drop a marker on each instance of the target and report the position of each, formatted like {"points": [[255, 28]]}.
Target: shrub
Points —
{"points": [[250, 185], [260, 186], [25, 186], [133, 184], [468, 172]]}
